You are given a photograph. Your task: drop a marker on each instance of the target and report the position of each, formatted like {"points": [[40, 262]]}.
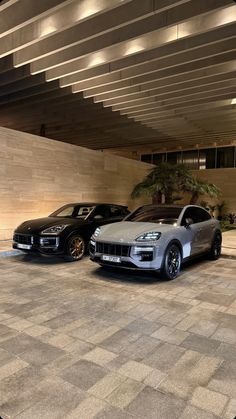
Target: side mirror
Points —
{"points": [[188, 222]]}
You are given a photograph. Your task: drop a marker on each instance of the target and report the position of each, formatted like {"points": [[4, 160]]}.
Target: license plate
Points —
{"points": [[115, 259], [24, 246]]}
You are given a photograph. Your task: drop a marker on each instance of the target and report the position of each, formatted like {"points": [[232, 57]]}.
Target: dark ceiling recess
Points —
{"points": [[120, 74]]}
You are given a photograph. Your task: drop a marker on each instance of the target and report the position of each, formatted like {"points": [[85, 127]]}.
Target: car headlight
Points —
{"points": [[97, 232], [55, 229], [150, 236]]}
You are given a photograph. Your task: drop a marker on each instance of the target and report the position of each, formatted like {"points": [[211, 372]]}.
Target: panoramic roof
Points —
{"points": [[110, 74]]}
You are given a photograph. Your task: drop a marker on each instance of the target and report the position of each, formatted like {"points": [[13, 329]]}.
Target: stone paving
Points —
{"points": [[81, 342]]}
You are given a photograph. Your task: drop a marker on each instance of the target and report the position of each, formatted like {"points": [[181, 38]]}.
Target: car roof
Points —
{"points": [[164, 206], [181, 207], [93, 204]]}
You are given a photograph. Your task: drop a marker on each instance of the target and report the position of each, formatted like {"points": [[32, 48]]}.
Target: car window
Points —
{"points": [[66, 212], [203, 215], [116, 211], [197, 215], [102, 211], [74, 211], [155, 214], [82, 212]]}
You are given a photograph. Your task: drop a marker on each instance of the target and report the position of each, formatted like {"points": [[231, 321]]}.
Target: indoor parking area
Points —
{"points": [[118, 209]]}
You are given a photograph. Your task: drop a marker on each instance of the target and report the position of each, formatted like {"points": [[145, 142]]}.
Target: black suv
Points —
{"points": [[67, 231]]}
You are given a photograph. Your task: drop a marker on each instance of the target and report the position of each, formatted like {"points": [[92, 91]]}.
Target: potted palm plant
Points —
{"points": [[165, 182]]}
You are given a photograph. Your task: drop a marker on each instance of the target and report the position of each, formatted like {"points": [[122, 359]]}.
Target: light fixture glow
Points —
{"points": [[87, 11], [233, 102], [47, 26], [134, 46], [96, 59]]}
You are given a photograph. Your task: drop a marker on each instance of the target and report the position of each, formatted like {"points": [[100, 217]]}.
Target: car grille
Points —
{"points": [[23, 238], [112, 249]]}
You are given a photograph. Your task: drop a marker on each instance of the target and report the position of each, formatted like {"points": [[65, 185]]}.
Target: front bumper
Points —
{"points": [[48, 245], [134, 256]]}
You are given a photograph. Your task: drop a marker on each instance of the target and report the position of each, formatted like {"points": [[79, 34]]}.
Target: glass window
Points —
{"points": [[64, 212], [74, 211], [155, 214], [116, 211], [190, 214], [146, 158], [207, 158], [102, 211], [158, 158], [203, 215], [225, 157], [197, 215], [172, 158], [190, 158]]}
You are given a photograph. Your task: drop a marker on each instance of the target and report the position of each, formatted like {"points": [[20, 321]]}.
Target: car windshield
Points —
{"points": [[155, 214], [73, 211]]}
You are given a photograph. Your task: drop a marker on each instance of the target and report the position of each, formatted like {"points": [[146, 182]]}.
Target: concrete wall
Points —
{"points": [[225, 179], [38, 175]]}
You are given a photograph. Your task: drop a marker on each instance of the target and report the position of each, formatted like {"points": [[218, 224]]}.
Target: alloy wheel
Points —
{"points": [[173, 261], [77, 248], [217, 247]]}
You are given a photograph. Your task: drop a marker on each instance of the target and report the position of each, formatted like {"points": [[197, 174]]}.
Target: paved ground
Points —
{"points": [[80, 342]]}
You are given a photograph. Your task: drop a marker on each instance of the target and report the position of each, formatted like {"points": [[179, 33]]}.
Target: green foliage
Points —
{"points": [[231, 217], [225, 225], [222, 208], [205, 205], [169, 180], [198, 187]]}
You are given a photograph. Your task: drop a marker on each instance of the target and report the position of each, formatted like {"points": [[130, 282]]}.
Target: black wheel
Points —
{"points": [[172, 262], [75, 248], [215, 251]]}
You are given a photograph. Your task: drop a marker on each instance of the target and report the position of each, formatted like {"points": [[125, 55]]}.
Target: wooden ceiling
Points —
{"points": [[120, 74]]}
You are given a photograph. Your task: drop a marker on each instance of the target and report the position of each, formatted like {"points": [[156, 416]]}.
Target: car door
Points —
{"points": [[193, 231], [207, 226]]}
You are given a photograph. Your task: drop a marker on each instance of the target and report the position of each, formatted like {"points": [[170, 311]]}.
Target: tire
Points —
{"points": [[171, 262], [75, 248], [215, 251]]}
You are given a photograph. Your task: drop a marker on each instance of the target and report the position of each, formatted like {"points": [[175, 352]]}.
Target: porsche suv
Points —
{"points": [[67, 231], [157, 238]]}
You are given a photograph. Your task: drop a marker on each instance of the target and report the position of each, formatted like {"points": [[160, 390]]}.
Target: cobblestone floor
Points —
{"points": [[77, 341]]}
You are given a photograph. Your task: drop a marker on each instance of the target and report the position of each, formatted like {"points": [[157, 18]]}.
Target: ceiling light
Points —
{"points": [[47, 26], [86, 11], [96, 59], [134, 46]]}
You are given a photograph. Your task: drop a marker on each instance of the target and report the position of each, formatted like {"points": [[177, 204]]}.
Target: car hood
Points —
{"points": [[126, 231], [40, 224]]}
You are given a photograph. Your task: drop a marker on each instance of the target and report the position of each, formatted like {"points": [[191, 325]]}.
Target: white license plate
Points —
{"points": [[115, 259], [24, 246]]}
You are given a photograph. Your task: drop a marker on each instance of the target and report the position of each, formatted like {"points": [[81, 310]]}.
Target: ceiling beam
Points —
{"points": [[57, 30], [22, 12], [139, 36]]}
